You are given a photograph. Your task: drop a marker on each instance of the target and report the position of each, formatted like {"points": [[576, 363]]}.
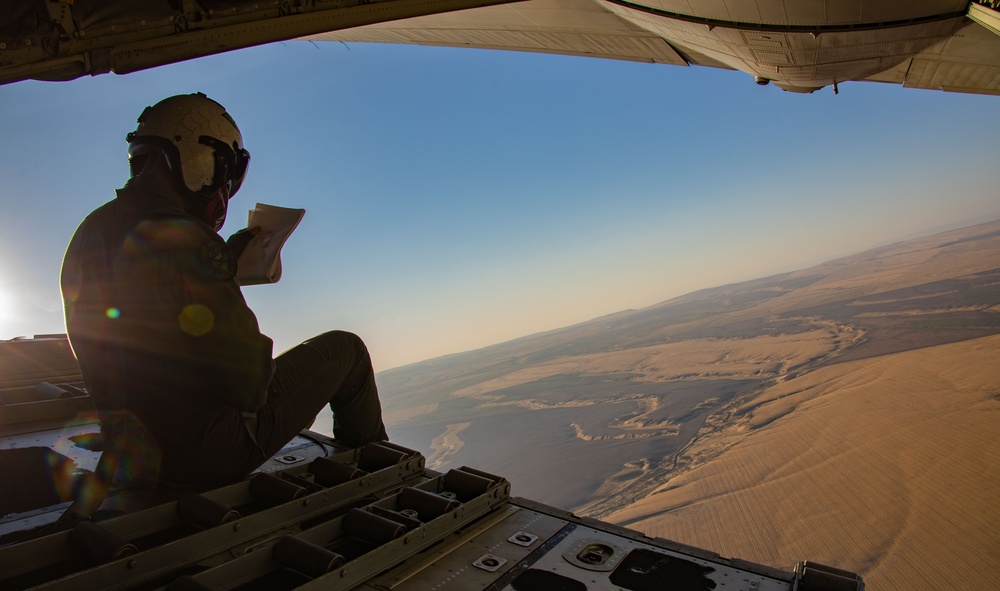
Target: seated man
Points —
{"points": [[182, 377]]}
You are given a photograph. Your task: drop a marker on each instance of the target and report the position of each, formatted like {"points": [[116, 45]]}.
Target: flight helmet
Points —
{"points": [[201, 144]]}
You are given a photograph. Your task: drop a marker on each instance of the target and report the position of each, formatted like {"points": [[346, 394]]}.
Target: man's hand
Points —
{"points": [[237, 243]]}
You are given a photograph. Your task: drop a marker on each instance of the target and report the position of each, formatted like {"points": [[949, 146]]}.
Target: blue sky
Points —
{"points": [[457, 198]]}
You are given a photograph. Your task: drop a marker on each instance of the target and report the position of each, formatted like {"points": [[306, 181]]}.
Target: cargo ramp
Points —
{"points": [[315, 516]]}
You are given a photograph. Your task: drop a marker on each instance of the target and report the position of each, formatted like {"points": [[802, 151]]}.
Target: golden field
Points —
{"points": [[890, 466]]}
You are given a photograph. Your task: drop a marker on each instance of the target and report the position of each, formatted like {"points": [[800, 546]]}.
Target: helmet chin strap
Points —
{"points": [[215, 208]]}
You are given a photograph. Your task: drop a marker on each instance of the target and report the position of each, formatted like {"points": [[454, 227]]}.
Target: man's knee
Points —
{"points": [[338, 343]]}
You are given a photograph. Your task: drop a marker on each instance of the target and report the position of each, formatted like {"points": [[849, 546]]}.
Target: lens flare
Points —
{"points": [[196, 319]]}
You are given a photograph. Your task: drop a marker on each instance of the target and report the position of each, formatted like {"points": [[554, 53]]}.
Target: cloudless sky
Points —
{"points": [[458, 198]]}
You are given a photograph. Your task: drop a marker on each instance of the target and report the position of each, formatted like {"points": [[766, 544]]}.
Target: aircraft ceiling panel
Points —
{"points": [[807, 12], [892, 11], [746, 11], [645, 48], [571, 27], [968, 61], [798, 59], [843, 12], [532, 14], [894, 75], [973, 43], [954, 77], [895, 42], [96, 17]]}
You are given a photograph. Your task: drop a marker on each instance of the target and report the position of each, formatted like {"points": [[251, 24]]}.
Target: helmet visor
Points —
{"points": [[231, 163]]}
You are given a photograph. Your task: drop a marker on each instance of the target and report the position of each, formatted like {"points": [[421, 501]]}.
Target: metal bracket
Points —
{"points": [[987, 16], [61, 14]]}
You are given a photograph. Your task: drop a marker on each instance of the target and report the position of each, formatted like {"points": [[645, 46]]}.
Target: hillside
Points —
{"points": [[639, 416], [889, 465]]}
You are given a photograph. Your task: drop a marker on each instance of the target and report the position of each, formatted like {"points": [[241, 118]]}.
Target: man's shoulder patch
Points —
{"points": [[217, 261], [183, 240]]}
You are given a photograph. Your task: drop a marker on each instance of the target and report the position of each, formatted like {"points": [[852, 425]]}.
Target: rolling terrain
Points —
{"points": [[844, 413]]}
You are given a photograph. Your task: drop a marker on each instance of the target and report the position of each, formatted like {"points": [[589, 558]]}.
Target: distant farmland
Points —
{"points": [[846, 413]]}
